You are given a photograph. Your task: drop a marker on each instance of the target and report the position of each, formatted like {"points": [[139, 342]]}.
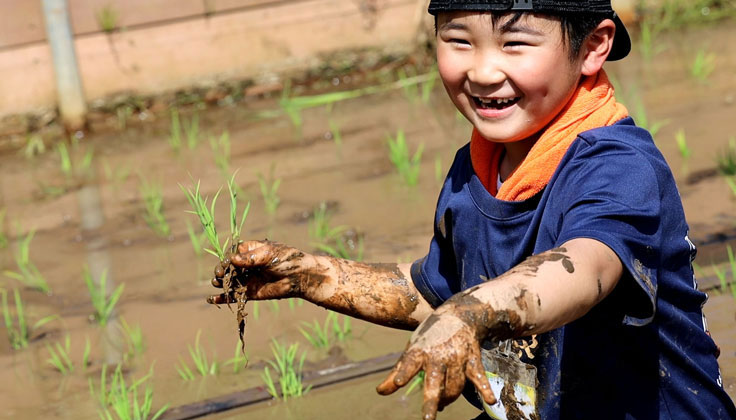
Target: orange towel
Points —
{"points": [[591, 106]]}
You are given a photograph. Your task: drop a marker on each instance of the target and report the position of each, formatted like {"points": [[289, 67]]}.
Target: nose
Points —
{"points": [[487, 69]]}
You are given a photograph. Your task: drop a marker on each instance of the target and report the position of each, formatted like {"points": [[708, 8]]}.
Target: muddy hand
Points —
{"points": [[271, 270], [447, 349]]}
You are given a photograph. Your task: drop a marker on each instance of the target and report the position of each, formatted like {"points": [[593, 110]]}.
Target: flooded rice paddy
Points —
{"points": [[96, 218]]}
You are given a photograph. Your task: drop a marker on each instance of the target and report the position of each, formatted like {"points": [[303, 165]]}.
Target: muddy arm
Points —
{"points": [[380, 293], [544, 292]]}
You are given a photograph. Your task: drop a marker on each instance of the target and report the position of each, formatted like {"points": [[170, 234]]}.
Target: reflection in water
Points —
{"points": [[98, 261]]}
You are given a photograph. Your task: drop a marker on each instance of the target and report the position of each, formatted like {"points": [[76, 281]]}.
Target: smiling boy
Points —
{"points": [[560, 249]]}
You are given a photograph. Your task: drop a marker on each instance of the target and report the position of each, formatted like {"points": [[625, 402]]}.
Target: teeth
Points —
{"points": [[501, 101]]}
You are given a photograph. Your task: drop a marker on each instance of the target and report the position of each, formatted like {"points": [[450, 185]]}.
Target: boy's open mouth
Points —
{"points": [[495, 103]]}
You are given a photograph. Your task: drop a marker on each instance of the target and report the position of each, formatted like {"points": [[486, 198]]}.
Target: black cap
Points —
{"points": [[621, 41]]}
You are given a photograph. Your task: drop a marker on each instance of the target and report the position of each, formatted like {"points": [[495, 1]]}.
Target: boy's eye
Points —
{"points": [[514, 44], [459, 41]]}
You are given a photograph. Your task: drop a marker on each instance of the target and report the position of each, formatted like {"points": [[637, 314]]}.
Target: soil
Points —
{"points": [[98, 222]]}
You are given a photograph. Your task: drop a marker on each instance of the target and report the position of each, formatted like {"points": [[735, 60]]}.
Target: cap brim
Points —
{"points": [[621, 41]]}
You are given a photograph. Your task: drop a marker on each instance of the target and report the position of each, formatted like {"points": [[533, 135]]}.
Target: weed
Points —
{"points": [[239, 359], [122, 399], [320, 230], [288, 371], [221, 150], [269, 191], [27, 273], [19, 335], [682, 147], [60, 356], [702, 66], [206, 218], [107, 18], [134, 339], [153, 200], [407, 166], [203, 366], [102, 304], [726, 160]]}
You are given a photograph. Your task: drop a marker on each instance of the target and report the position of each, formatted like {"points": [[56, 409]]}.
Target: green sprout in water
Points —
{"points": [[344, 248], [269, 190], [239, 359], [107, 18], [121, 401], [206, 217], [153, 200], [288, 371], [726, 161], [17, 329], [406, 165], [703, 65], [134, 339], [732, 184], [320, 231], [60, 356], [3, 237], [201, 363], [102, 304], [27, 273], [197, 240], [682, 147], [725, 285]]}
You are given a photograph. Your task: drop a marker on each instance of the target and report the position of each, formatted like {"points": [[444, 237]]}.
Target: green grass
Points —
{"points": [[239, 360], [153, 201], [202, 364], [319, 229], [107, 18], [406, 165], [27, 274], [269, 191], [703, 66], [17, 328], [725, 161], [134, 340], [221, 151], [103, 304], [60, 356], [287, 370], [682, 147], [124, 401]]}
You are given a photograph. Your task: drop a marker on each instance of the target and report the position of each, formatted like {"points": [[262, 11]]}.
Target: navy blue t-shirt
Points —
{"points": [[642, 352]]}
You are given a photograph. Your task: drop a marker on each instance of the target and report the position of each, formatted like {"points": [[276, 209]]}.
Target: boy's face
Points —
{"points": [[509, 79]]}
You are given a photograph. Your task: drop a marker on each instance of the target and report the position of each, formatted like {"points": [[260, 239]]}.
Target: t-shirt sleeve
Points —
{"points": [[611, 194]]}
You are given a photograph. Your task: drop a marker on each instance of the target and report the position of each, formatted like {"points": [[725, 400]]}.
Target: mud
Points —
{"points": [[532, 263]]}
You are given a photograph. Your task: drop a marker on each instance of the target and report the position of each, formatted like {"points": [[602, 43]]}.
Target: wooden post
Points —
{"points": [[72, 105]]}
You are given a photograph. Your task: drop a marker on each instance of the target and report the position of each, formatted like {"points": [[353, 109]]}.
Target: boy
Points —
{"points": [[560, 249]]}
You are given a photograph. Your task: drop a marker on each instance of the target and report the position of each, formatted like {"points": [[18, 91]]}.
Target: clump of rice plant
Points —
{"points": [[269, 191], [725, 161], [288, 371], [201, 362], [206, 217], [124, 401], [196, 239], [72, 166], [153, 200], [60, 357], [702, 66], [134, 340], [3, 237], [239, 359], [102, 304], [28, 274], [17, 328], [34, 146], [107, 18], [682, 147], [221, 150], [320, 230], [322, 335], [345, 248], [406, 164], [725, 285]]}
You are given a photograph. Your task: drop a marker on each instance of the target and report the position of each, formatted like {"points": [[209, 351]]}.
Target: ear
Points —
{"points": [[596, 47]]}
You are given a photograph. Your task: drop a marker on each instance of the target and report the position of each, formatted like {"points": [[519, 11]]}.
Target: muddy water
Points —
{"points": [[166, 284]]}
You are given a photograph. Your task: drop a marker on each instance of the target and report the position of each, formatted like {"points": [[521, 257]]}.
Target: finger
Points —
{"points": [[454, 384], [253, 258], [433, 387], [405, 369], [275, 290], [219, 271], [248, 246], [217, 282], [477, 374], [221, 299]]}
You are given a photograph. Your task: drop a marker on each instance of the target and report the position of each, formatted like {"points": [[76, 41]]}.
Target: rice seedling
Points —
{"points": [[335, 133], [731, 184], [175, 138], [725, 161], [415, 383], [647, 34], [34, 146], [269, 191], [288, 371], [411, 90], [671, 14], [221, 151], [86, 354], [345, 249], [107, 18], [102, 304], [239, 359], [725, 285], [71, 165], [682, 147], [317, 335], [428, 85], [17, 329], [319, 228], [153, 201], [406, 165], [344, 331], [121, 401], [191, 131], [703, 66], [201, 363], [65, 159], [134, 340], [292, 108], [3, 237], [439, 174], [197, 240], [60, 356], [642, 119], [206, 219], [117, 176], [28, 274]]}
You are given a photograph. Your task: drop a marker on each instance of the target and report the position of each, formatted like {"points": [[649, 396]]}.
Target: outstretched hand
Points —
{"points": [[269, 270], [447, 349]]}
